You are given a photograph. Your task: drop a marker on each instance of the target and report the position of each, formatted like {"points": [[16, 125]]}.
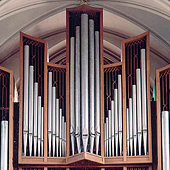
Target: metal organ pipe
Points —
{"points": [[60, 132], [165, 141], [42, 131], [77, 88], [31, 111], [113, 126], [26, 83], [139, 113], [110, 132], [91, 63], [120, 111], [57, 126], [128, 137], [134, 118], [4, 145], [97, 88], [72, 119], [107, 136], [144, 99], [84, 79], [131, 125], [39, 125], [35, 116], [49, 111], [53, 118], [62, 136]]}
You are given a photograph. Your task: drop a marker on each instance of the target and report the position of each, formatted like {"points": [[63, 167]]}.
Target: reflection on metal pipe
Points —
{"points": [[165, 141], [84, 79], [62, 136], [60, 132], [97, 88], [139, 114], [35, 116], [110, 132], [65, 138], [53, 118], [120, 111], [26, 78], [42, 131], [134, 118], [144, 100], [77, 89], [131, 125], [4, 145], [107, 135], [57, 126], [127, 118], [91, 63], [113, 126], [31, 110], [49, 111], [116, 120], [39, 125], [72, 119]]}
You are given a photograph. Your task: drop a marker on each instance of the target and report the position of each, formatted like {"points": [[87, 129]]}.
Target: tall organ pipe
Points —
{"points": [[77, 89], [127, 117], [60, 132], [144, 100], [131, 125], [110, 132], [35, 116], [4, 145], [62, 136], [42, 131], [91, 63], [97, 88], [134, 118], [49, 111], [26, 83], [57, 126], [72, 119], [120, 111], [165, 140], [53, 118], [31, 110], [113, 127], [65, 138], [84, 79], [116, 120], [139, 113], [39, 125], [105, 131], [107, 136]]}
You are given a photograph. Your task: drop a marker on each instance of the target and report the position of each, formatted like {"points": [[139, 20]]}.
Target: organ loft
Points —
{"points": [[77, 89]]}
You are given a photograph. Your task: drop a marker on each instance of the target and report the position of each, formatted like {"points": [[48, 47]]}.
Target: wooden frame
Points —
{"points": [[11, 116], [147, 158], [158, 110]]}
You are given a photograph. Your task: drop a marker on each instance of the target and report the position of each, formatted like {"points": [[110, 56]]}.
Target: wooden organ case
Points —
{"points": [[78, 114]]}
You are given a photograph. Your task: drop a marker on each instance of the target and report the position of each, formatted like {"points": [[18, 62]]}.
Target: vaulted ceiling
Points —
{"points": [[122, 19]]}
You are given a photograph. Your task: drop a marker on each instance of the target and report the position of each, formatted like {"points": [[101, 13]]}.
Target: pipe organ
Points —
{"points": [[83, 112], [163, 108], [6, 119]]}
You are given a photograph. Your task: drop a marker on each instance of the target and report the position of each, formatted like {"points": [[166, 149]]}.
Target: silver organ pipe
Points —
{"points": [[110, 132], [91, 63], [64, 138], [35, 117], [31, 110], [60, 134], [144, 99], [131, 126], [77, 88], [120, 111], [4, 145], [134, 119], [26, 86], [139, 112], [39, 125], [57, 127], [49, 111], [165, 141], [107, 136], [84, 79], [128, 137], [116, 120], [97, 88], [72, 118], [53, 118], [113, 126], [42, 131], [105, 147]]}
